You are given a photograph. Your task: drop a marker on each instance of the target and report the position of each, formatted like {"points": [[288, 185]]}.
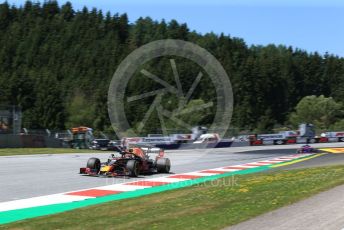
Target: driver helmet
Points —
{"points": [[131, 150]]}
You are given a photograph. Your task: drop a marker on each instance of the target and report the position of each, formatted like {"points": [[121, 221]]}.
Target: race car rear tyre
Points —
{"points": [[94, 164], [163, 165], [132, 166]]}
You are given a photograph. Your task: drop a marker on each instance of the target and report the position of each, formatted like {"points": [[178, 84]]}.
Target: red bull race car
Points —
{"points": [[307, 149], [131, 162]]}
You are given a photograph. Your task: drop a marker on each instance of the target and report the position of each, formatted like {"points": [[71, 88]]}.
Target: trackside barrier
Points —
{"points": [[28, 141], [298, 140]]}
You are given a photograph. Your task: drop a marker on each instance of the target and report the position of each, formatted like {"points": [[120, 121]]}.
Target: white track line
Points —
{"points": [[226, 170], [258, 163], [168, 180], [199, 173], [245, 166], [39, 201], [122, 187]]}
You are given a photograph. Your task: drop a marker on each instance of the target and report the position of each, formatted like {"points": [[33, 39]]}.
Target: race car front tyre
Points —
{"points": [[163, 165], [94, 164], [133, 168]]}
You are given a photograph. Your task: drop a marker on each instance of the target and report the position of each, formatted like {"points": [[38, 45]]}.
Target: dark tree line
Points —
{"points": [[57, 63]]}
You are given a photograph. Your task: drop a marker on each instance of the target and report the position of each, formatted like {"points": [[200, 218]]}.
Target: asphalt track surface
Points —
{"points": [[37, 175], [325, 160]]}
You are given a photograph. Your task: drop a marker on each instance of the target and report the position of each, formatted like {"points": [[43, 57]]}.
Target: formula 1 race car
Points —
{"points": [[131, 162], [307, 149]]}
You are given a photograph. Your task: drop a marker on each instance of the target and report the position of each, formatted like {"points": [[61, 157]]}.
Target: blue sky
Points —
{"points": [[312, 25]]}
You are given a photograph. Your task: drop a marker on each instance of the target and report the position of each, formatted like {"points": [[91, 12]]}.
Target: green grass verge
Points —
{"points": [[30, 151], [212, 205]]}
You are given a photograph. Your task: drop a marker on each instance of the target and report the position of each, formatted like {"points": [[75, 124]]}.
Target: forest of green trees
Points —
{"points": [[57, 63]]}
